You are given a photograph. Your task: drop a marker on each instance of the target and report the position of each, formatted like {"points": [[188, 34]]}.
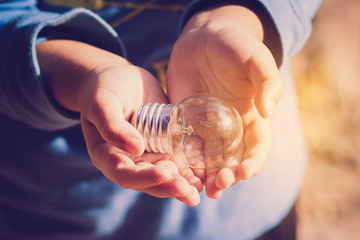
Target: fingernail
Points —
{"points": [[135, 146]]}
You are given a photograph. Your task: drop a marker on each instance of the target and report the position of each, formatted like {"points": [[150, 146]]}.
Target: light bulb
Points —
{"points": [[201, 131]]}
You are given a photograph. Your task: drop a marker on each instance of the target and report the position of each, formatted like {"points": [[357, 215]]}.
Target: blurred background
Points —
{"points": [[327, 73]]}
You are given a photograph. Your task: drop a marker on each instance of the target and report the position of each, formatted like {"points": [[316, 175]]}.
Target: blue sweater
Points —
{"points": [[48, 187]]}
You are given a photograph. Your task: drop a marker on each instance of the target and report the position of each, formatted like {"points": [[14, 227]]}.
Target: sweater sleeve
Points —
{"points": [[292, 19], [23, 94]]}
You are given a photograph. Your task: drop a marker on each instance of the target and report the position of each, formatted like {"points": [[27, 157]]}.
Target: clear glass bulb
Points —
{"points": [[201, 131]]}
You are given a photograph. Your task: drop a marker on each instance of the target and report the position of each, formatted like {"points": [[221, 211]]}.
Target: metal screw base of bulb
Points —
{"points": [[151, 120]]}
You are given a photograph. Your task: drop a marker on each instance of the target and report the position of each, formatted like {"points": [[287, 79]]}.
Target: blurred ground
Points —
{"points": [[327, 73]]}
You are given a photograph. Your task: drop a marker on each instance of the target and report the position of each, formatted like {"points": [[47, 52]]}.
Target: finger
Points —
{"points": [[196, 177], [258, 145], [213, 163], [120, 168], [143, 176], [227, 176], [192, 199], [108, 117], [195, 159], [192, 179], [265, 76], [200, 173], [183, 169], [212, 191], [175, 187]]}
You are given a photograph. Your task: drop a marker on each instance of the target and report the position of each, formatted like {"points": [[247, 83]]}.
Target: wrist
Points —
{"points": [[252, 17], [231, 15], [66, 66]]}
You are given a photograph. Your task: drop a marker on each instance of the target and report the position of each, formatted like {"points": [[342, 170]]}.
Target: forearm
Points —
{"points": [[23, 95]]}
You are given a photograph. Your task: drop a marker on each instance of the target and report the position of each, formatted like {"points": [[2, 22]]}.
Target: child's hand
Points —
{"points": [[220, 51], [106, 89]]}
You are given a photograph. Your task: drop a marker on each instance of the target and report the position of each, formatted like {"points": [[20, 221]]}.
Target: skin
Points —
{"points": [[220, 51], [106, 89]]}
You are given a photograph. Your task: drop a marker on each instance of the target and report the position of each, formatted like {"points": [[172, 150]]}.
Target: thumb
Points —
{"points": [[108, 117], [266, 78]]}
